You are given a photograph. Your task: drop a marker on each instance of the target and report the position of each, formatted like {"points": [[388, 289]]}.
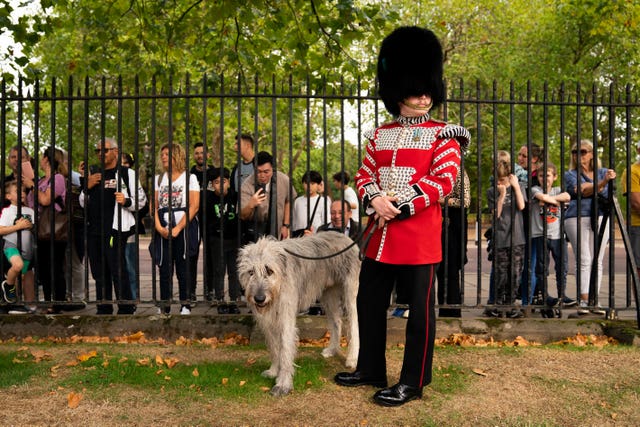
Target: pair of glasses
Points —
{"points": [[105, 150], [583, 152]]}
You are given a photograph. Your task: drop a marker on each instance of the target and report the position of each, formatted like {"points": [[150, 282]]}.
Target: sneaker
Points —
{"points": [[598, 310], [185, 311], [23, 310], [492, 312], [583, 308], [223, 308], [315, 311], [9, 292], [233, 309], [405, 315], [514, 314], [569, 302]]}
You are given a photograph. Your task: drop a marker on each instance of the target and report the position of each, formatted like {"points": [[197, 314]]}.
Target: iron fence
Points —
{"points": [[317, 127]]}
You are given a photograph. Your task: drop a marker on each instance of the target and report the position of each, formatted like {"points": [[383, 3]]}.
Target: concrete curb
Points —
{"points": [[311, 327]]}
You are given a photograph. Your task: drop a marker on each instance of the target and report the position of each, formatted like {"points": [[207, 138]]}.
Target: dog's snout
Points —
{"points": [[259, 298]]}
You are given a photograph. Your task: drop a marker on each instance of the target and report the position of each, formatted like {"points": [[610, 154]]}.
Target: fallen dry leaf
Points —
{"points": [[40, 355], [182, 341], [195, 373], [144, 362], [159, 360], [171, 362], [225, 381], [73, 400], [243, 382], [86, 356], [479, 372], [210, 341]]}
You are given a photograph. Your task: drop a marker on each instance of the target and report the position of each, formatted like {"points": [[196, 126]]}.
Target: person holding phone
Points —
{"points": [[26, 169], [265, 202]]}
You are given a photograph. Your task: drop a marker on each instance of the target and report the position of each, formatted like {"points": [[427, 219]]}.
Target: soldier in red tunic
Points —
{"points": [[410, 164]]}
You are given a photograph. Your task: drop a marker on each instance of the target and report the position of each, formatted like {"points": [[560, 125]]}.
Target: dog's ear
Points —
{"points": [[284, 258]]}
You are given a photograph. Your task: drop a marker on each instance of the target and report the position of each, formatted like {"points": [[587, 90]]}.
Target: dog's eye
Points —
{"points": [[268, 270]]}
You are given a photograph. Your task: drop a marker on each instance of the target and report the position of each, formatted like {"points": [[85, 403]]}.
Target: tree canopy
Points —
{"points": [[537, 40]]}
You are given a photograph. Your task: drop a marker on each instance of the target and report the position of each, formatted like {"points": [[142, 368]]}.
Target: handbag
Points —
{"points": [[60, 226]]}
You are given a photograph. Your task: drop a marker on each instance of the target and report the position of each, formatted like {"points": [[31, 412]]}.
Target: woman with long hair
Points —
{"points": [[173, 218], [582, 220], [52, 194]]}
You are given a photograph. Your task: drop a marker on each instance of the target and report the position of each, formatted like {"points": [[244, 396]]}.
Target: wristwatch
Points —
{"points": [[286, 225]]}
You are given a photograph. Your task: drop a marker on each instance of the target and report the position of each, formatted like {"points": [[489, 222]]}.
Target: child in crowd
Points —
{"points": [[310, 210], [17, 249], [509, 247], [222, 238], [549, 208]]}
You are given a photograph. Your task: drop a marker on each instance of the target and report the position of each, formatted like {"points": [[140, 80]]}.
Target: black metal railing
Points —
{"points": [[321, 128]]}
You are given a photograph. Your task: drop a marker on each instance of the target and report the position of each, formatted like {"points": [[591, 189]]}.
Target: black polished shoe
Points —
{"points": [[355, 379], [397, 395]]}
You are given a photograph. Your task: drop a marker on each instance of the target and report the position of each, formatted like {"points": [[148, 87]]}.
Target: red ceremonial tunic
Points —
{"points": [[416, 160]]}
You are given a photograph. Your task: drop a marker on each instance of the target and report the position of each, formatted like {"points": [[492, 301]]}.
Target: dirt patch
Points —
{"points": [[493, 386]]}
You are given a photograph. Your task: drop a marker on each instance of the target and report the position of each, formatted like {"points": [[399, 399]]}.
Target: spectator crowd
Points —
{"points": [[64, 218]]}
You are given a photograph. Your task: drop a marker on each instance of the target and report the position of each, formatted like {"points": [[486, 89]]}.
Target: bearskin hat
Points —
{"points": [[410, 64]]}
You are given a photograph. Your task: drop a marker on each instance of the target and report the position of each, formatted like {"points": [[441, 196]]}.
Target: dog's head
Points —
{"points": [[260, 270]]}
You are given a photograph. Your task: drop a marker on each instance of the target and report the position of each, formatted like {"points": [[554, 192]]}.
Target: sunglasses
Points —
{"points": [[583, 152], [105, 150]]}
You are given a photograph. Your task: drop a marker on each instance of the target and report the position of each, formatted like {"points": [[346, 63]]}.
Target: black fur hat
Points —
{"points": [[410, 64]]}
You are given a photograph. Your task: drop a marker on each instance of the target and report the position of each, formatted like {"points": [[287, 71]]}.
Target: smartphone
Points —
{"points": [[27, 170], [261, 186], [94, 169]]}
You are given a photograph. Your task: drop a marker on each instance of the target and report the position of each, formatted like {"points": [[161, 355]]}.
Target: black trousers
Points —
{"points": [[376, 284], [54, 287], [106, 258]]}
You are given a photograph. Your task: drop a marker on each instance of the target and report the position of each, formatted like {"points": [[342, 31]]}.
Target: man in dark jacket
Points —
{"points": [[341, 214]]}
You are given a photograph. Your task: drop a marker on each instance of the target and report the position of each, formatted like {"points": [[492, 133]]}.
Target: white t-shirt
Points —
{"points": [[7, 218], [178, 193], [300, 213]]}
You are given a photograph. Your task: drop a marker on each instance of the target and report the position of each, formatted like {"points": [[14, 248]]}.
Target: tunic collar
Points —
{"points": [[408, 121]]}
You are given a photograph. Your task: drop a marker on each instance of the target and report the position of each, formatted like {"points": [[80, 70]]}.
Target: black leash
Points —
{"points": [[364, 237]]}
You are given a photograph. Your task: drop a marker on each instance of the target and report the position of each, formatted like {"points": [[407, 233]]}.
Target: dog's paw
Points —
{"points": [[269, 373], [351, 362], [278, 390]]}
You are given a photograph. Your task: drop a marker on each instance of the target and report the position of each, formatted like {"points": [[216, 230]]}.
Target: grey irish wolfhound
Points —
{"points": [[278, 285]]}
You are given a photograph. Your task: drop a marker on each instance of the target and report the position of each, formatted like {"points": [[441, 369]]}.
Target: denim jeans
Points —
{"points": [[130, 253], [559, 252], [529, 270]]}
